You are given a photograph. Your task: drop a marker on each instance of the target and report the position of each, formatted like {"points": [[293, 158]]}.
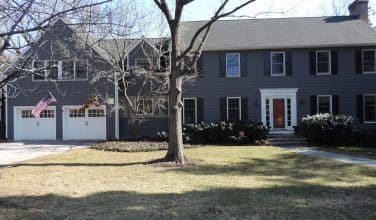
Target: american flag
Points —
{"points": [[43, 104]]}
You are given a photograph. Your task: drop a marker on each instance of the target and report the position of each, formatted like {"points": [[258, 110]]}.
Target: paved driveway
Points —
{"points": [[12, 152]]}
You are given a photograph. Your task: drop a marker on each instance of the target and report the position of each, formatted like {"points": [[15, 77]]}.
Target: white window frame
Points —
{"points": [[60, 70], [330, 103], [368, 72], [364, 109], [143, 107], [284, 63], [195, 99], [238, 75], [45, 71], [240, 107], [329, 63]]}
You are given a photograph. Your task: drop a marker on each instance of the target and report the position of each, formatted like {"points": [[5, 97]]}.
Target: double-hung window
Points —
{"points": [[39, 70], [233, 65], [278, 63], [190, 111], [52, 70], [145, 107], [323, 62], [233, 109], [60, 70], [369, 61], [324, 104], [369, 108]]}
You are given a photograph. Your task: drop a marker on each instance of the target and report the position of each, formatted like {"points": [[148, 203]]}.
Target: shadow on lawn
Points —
{"points": [[310, 201]]}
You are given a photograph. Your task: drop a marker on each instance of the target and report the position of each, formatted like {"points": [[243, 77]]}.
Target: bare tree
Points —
{"points": [[335, 7], [183, 60]]}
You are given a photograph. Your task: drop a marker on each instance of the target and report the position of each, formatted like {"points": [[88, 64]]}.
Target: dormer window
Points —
{"points": [[233, 65], [278, 64], [369, 61], [323, 62]]}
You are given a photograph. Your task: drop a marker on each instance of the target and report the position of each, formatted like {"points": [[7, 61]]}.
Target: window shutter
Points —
{"points": [[267, 64], [334, 60], [200, 66], [313, 105], [223, 109], [358, 62], [359, 108], [244, 110], [200, 110], [243, 64], [335, 104], [288, 63], [312, 62], [222, 65]]}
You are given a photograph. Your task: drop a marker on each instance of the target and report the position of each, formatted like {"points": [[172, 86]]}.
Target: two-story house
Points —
{"points": [[274, 71]]}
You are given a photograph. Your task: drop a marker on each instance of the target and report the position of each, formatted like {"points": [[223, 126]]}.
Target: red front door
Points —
{"points": [[279, 113]]}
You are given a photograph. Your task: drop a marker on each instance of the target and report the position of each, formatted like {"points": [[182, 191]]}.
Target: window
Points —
{"points": [[233, 109], [47, 114], [145, 107], [369, 62], [278, 63], [232, 65], [370, 108], [67, 69], [324, 104], [81, 69], [76, 113], [142, 63], [52, 70], [190, 111], [26, 114], [323, 62], [39, 71], [95, 113]]}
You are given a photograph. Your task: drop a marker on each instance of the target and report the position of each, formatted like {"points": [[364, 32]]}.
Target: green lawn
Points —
{"points": [[365, 152], [229, 183]]}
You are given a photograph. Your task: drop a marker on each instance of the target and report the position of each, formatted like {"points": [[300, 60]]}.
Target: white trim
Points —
{"points": [[143, 106], [330, 103], [195, 99], [364, 109], [284, 63], [6, 111], [60, 70], [116, 106], [240, 106], [138, 42], [368, 72], [329, 63], [239, 74], [279, 93]]}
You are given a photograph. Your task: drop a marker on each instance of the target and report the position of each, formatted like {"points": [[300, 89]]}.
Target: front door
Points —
{"points": [[279, 113]]}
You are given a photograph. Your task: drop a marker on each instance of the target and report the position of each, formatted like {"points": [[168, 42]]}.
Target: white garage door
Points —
{"points": [[87, 125], [27, 127]]}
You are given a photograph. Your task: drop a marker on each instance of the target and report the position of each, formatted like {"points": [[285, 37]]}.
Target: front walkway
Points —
{"points": [[334, 156], [12, 152]]}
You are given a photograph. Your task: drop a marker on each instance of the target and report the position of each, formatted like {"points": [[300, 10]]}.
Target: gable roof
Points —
{"points": [[284, 33]]}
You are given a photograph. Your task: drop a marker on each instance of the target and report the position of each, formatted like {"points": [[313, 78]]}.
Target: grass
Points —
{"points": [[229, 183], [365, 152]]}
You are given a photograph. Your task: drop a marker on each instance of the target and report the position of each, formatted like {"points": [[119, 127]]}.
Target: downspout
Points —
{"points": [[116, 106], [6, 111]]}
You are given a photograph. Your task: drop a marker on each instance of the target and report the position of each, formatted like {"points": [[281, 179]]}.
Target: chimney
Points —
{"points": [[359, 8]]}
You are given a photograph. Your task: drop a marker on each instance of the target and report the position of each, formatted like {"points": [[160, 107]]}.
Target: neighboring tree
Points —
{"points": [[336, 7], [183, 59]]}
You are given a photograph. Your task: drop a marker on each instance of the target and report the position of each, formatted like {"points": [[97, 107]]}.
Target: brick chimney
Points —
{"points": [[359, 8]]}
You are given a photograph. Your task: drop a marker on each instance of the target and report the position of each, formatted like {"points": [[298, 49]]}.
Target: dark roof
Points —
{"points": [[279, 33]]}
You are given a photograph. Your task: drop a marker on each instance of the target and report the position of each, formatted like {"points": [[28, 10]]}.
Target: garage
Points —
{"points": [[27, 127], [89, 124]]}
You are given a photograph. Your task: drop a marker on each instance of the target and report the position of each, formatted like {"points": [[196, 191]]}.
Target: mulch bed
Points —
{"points": [[134, 146]]}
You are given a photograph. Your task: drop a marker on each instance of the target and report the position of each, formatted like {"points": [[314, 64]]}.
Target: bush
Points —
{"points": [[368, 138], [329, 129], [222, 133]]}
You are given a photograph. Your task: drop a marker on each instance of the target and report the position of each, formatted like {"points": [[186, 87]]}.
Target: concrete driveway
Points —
{"points": [[12, 152]]}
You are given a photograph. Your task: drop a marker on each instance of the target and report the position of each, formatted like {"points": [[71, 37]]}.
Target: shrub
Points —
{"points": [[329, 129], [222, 133]]}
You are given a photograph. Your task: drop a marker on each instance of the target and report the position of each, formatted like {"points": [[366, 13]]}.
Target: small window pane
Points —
{"points": [[278, 64], [233, 109], [52, 70], [189, 111], [68, 70], [233, 64], [26, 114], [47, 114], [76, 113], [81, 69], [95, 113], [323, 62], [369, 61], [39, 70], [370, 108], [324, 104]]}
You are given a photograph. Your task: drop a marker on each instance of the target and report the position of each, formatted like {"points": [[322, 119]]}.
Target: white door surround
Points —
{"points": [[289, 95], [27, 127], [87, 125]]}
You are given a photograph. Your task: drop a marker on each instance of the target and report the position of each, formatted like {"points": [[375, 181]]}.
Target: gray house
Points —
{"points": [[273, 71]]}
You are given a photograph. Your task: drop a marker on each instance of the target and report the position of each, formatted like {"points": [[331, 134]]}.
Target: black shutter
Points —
{"points": [[267, 64], [244, 110], [359, 108], [288, 63], [200, 66], [222, 65], [243, 64], [223, 109], [335, 104], [312, 62], [358, 62], [313, 105], [200, 110], [334, 64]]}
